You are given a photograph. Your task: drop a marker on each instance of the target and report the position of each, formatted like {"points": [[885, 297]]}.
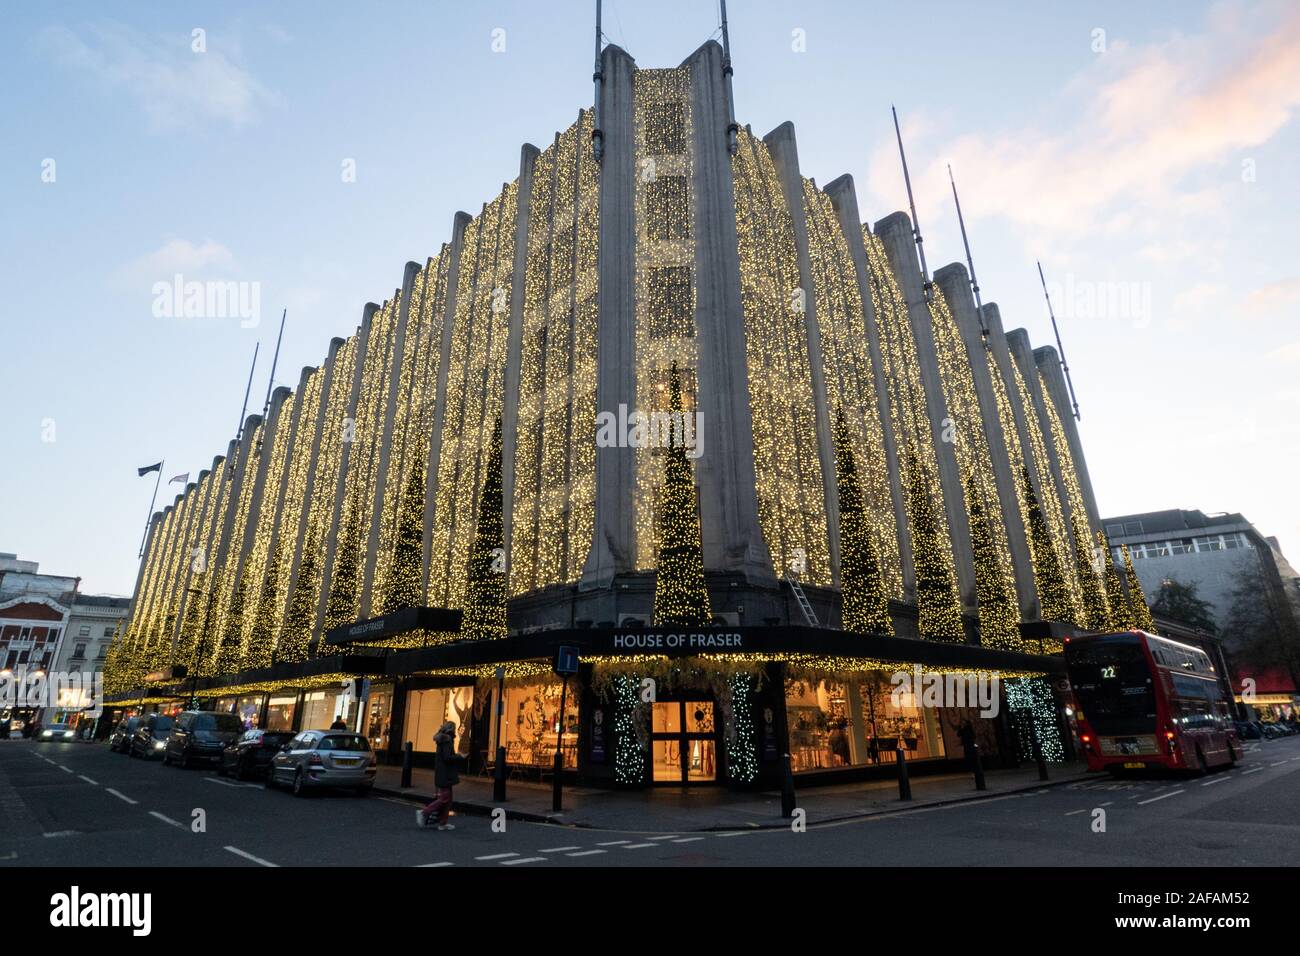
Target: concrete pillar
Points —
{"points": [[613, 548], [895, 232], [514, 338], [1023, 355], [844, 198], [459, 224], [1049, 363], [784, 149], [729, 526], [954, 282]]}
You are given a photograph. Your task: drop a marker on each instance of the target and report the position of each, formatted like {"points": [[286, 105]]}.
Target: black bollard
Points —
{"points": [[1038, 758], [406, 765], [904, 784], [499, 776], [557, 800], [787, 788]]}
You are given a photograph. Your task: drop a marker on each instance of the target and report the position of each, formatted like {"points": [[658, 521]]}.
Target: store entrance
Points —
{"points": [[683, 742]]}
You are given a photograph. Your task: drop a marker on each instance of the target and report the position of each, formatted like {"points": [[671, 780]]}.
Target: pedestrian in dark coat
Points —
{"points": [[446, 774]]}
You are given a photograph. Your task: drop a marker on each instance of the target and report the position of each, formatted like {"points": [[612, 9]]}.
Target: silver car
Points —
{"points": [[324, 758]]}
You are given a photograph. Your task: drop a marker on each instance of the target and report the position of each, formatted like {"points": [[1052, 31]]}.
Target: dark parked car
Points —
{"points": [[150, 736], [120, 741], [324, 758], [199, 737], [250, 754]]}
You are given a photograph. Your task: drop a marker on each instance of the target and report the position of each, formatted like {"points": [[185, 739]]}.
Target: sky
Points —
{"points": [[1145, 153]]}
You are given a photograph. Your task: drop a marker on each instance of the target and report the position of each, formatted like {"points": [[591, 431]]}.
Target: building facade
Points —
{"points": [[875, 482]]}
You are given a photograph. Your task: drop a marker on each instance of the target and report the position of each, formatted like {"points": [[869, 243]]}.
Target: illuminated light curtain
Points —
{"points": [[1139, 611], [850, 379], [226, 654], [975, 463], [474, 395], [865, 607], [787, 469], [200, 579], [1015, 453], [665, 271], [909, 414], [260, 628], [1048, 499], [554, 486], [294, 510], [1121, 615], [485, 587], [207, 633]]}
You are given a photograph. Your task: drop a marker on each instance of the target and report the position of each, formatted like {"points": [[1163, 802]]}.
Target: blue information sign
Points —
{"points": [[566, 659]]}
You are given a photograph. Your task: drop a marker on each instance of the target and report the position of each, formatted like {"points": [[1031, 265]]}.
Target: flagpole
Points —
{"points": [[152, 501]]}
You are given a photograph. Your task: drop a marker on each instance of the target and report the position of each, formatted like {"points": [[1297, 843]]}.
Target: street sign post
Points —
{"points": [[566, 665]]}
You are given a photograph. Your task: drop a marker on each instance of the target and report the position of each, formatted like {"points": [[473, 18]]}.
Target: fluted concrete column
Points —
{"points": [[1023, 355], [895, 232], [515, 336], [192, 544], [729, 528], [613, 547], [1049, 363], [784, 149], [844, 198], [456, 251], [275, 420], [954, 282]]}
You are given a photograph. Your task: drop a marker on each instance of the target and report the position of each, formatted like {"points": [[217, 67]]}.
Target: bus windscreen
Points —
{"points": [[1112, 682]]}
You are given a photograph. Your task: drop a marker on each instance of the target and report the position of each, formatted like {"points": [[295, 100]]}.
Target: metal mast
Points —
{"points": [[230, 472], [732, 128], [916, 226], [970, 262], [598, 76], [1059, 347]]}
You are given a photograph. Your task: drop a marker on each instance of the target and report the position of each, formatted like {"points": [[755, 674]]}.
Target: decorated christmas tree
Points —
{"points": [[681, 596], [1139, 611], [862, 588], [999, 615], [1096, 613], [1053, 593], [341, 605], [485, 585], [936, 593], [227, 658], [295, 635], [261, 639], [1121, 619], [405, 584]]}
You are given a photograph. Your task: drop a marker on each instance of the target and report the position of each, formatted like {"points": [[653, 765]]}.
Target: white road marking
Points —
{"points": [[120, 796], [88, 780], [248, 856], [425, 866], [1278, 764], [639, 846], [10, 856], [523, 859], [65, 769], [61, 833], [587, 853], [669, 836], [737, 833], [496, 856], [613, 843], [166, 819], [688, 839], [229, 783], [1162, 796], [1073, 812], [1217, 780], [558, 849], [1256, 770]]}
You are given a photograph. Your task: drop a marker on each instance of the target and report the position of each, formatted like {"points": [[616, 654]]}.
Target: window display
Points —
{"points": [[532, 721], [427, 710], [279, 712], [854, 722]]}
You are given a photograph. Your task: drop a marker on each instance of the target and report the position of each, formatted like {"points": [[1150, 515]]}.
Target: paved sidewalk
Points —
{"points": [[663, 810]]}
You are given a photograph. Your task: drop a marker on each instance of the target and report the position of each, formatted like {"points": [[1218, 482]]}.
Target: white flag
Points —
{"points": [[183, 479]]}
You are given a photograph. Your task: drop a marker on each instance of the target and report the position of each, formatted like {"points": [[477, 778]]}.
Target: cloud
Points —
{"points": [[175, 86], [1273, 298], [204, 260], [1145, 121], [1285, 353]]}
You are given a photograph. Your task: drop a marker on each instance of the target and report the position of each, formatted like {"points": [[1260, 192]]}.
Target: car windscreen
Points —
{"points": [[1114, 686], [226, 723], [343, 742], [162, 723]]}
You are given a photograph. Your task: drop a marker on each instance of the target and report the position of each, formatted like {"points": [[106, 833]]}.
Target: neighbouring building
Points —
{"points": [[876, 477], [1219, 553]]}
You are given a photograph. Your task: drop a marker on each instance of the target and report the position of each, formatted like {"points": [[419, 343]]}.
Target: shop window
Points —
{"points": [[427, 710], [530, 726], [279, 712], [249, 710], [855, 722], [379, 717], [320, 707]]}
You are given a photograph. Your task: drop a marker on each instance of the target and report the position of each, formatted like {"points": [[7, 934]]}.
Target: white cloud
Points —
{"points": [[1285, 353], [204, 260], [1273, 298], [175, 86]]}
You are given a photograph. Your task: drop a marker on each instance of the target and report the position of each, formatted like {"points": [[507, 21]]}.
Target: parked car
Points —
{"points": [[1247, 730], [150, 736], [250, 754], [120, 740], [324, 758], [200, 736]]}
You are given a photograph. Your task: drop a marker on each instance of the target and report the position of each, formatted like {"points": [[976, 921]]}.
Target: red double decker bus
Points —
{"points": [[1144, 701]]}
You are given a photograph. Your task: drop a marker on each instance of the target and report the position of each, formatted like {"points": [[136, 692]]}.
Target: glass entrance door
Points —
{"points": [[683, 741]]}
